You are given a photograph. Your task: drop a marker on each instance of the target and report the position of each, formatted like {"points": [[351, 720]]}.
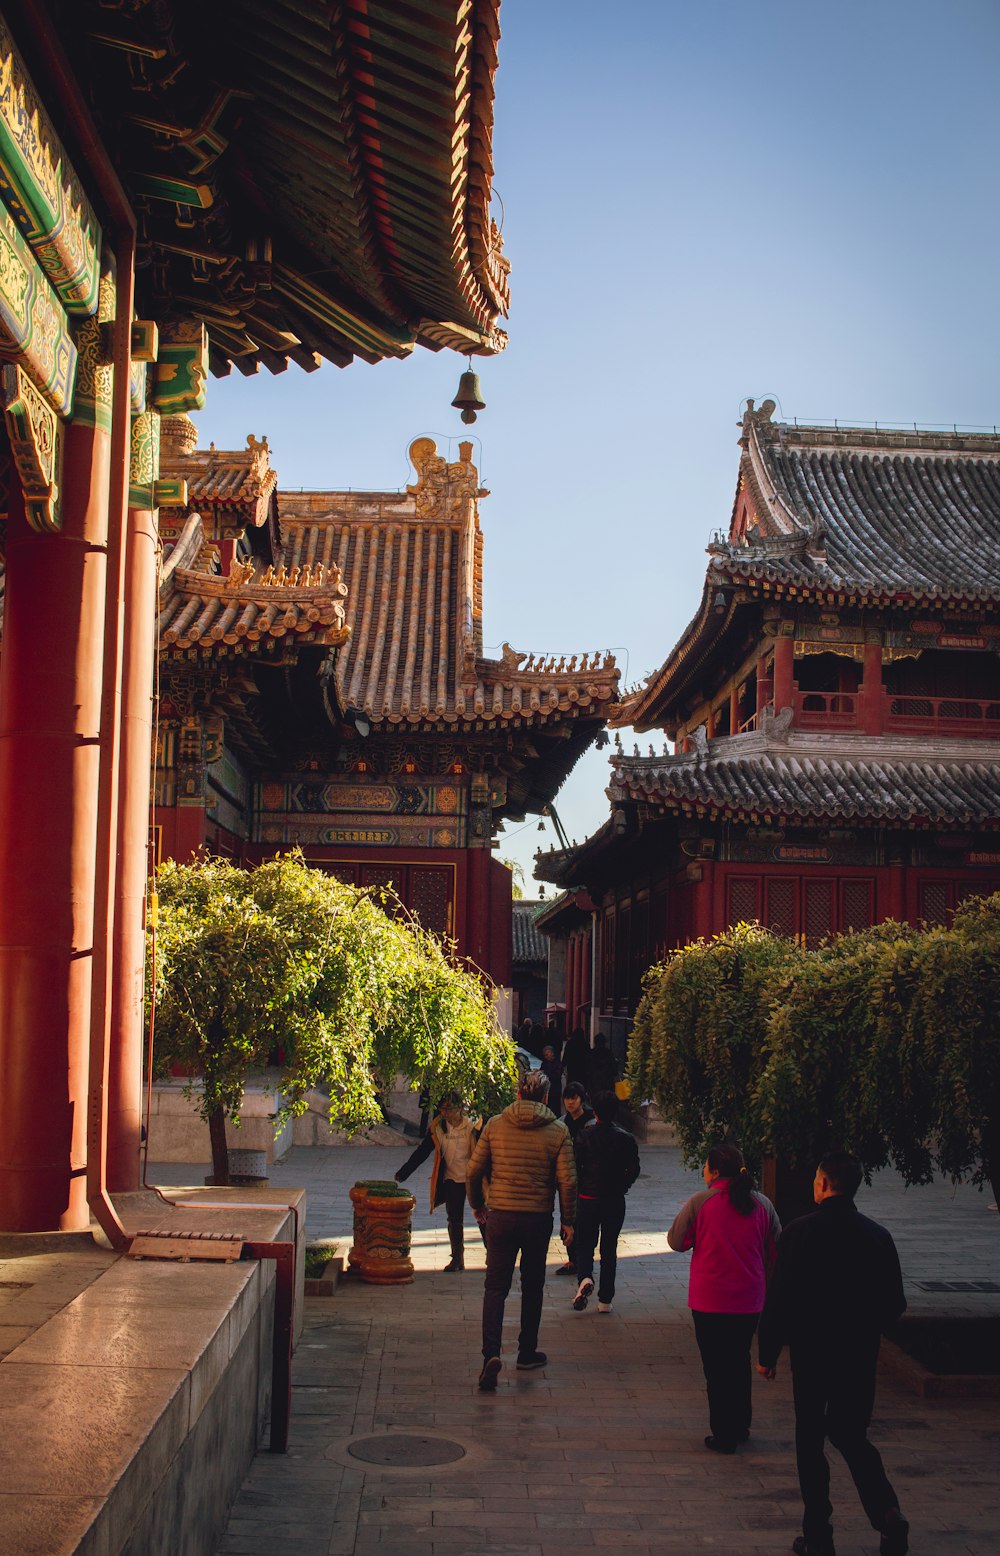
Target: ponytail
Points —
{"points": [[728, 1162]]}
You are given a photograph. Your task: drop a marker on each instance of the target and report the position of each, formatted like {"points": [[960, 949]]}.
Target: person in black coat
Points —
{"points": [[607, 1165], [836, 1284], [577, 1116]]}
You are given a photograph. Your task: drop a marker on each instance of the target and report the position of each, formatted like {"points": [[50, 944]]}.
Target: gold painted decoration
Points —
{"points": [[34, 330], [443, 490], [144, 460], [43, 192], [181, 369], [95, 372], [33, 430]]}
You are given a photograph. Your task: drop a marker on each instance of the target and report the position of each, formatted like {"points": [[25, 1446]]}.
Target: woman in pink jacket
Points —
{"points": [[733, 1232]]}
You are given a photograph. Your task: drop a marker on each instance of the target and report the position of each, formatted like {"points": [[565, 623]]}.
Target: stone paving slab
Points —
{"points": [[603, 1449]]}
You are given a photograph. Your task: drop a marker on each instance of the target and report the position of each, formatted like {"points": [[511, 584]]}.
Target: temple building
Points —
{"points": [[185, 189], [324, 685], [833, 709]]}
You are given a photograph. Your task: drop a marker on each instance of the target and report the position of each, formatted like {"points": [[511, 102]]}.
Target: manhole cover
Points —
{"points": [[405, 1450]]}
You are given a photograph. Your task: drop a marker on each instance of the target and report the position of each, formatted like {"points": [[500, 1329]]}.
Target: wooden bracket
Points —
{"points": [[33, 428]]}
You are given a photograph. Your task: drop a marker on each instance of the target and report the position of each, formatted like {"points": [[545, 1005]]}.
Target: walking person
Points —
{"points": [[526, 1156], [577, 1116], [837, 1283], [607, 1165], [451, 1137], [733, 1232]]}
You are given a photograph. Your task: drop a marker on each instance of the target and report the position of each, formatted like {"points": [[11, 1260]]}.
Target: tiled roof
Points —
{"points": [[529, 944], [206, 611], [309, 180], [760, 776], [845, 515], [412, 563], [869, 513]]}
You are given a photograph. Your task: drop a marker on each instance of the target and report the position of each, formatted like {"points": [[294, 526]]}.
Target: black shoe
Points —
{"points": [[490, 1373], [454, 1265], [528, 1361], [895, 1539], [802, 1547], [718, 1446], [566, 1269], [584, 1292]]}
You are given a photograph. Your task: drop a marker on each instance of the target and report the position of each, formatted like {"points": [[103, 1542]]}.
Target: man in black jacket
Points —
{"points": [[607, 1165], [836, 1284]]}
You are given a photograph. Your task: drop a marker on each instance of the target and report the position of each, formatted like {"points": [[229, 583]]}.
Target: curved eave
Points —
{"points": [[645, 708]]}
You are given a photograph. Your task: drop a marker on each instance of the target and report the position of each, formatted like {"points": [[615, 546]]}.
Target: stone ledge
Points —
{"points": [[134, 1403], [920, 1380]]}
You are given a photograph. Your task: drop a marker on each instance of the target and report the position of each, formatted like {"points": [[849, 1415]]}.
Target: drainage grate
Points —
{"points": [[958, 1285], [403, 1450]]}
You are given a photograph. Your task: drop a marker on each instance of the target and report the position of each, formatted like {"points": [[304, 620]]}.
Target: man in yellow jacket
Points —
{"points": [[525, 1154]]}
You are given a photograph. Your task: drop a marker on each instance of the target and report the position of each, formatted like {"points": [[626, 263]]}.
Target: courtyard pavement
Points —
{"points": [[603, 1449]]}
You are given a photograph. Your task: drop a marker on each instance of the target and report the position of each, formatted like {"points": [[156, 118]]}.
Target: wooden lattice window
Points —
{"points": [[743, 906], [855, 905], [936, 901], [430, 897], [817, 911], [781, 907], [381, 875]]}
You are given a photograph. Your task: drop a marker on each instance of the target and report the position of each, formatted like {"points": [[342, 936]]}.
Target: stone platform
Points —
{"points": [[134, 1393]]}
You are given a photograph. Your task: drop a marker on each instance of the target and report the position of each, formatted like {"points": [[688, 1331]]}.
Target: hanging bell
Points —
{"points": [[469, 398]]}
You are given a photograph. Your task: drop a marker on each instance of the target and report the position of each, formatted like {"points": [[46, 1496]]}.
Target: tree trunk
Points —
{"points": [[788, 1188], [220, 1150]]}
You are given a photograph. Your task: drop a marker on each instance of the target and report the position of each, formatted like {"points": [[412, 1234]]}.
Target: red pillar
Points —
{"points": [[586, 947], [571, 981], [51, 676], [765, 686], [125, 1073], [871, 690], [734, 710], [784, 673]]}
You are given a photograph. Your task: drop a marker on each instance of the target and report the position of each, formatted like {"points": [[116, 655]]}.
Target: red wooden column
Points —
{"points": [[764, 685], [125, 1062], [586, 945], [571, 981], [51, 676], [871, 689], [784, 673]]}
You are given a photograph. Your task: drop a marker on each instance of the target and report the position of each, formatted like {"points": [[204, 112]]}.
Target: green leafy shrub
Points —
{"points": [[286, 956]]}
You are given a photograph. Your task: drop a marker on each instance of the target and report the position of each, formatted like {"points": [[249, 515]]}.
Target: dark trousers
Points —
{"points": [[834, 1397], [602, 1217], [509, 1233], [724, 1342], [454, 1204]]}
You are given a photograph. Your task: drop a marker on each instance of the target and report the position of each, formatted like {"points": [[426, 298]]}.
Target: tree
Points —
{"points": [[699, 1040], [285, 956], [885, 1042], [823, 1060], [945, 1032]]}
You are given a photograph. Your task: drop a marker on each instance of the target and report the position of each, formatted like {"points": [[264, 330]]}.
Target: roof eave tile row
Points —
{"points": [[765, 786]]}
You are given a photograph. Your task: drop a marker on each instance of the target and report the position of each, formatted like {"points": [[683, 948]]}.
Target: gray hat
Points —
{"points": [[533, 1087]]}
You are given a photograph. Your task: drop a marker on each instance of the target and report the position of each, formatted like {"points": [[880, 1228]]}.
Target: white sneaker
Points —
{"points": [[604, 1307], [583, 1295]]}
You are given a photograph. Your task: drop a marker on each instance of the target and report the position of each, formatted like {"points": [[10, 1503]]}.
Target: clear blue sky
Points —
{"points": [[700, 202]]}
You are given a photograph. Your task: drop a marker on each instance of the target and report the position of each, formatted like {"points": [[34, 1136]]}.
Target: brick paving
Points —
{"points": [[603, 1449]]}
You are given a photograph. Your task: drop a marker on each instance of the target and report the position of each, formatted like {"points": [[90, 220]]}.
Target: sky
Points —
{"points": [[700, 203]]}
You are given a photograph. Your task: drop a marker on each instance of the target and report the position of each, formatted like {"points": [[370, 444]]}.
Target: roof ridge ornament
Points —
{"points": [[443, 490]]}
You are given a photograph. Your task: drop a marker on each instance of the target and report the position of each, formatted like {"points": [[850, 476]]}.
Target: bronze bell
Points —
{"points": [[469, 398]]}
